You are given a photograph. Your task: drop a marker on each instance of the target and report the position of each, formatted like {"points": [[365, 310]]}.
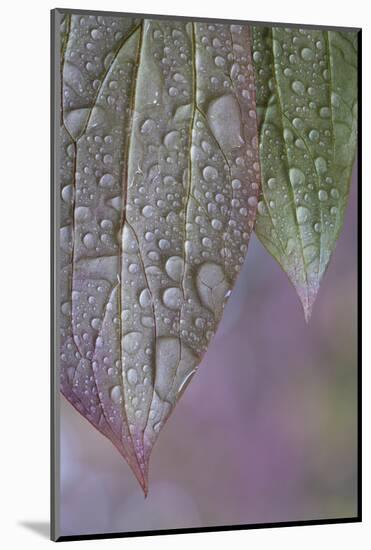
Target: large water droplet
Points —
{"points": [[106, 180], [210, 173], [131, 342], [302, 214], [172, 298], [145, 298], [322, 195], [174, 268], [89, 240], [296, 176], [147, 211], [224, 118], [132, 376], [314, 135], [115, 394], [307, 54], [321, 165], [298, 87]]}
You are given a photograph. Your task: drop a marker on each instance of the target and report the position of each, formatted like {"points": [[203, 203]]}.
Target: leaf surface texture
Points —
{"points": [[159, 175], [307, 109]]}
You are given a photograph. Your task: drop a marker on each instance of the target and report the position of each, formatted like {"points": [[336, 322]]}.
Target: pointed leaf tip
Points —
{"points": [[307, 296], [150, 247]]}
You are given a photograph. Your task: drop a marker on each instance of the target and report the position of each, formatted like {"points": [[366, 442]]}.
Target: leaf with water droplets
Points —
{"points": [[307, 109], [159, 183]]}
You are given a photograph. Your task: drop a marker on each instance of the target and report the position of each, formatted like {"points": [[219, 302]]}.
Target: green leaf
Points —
{"points": [[307, 110], [159, 186]]}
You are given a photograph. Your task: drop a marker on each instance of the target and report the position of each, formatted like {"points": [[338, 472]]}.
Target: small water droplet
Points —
{"points": [[324, 112]]}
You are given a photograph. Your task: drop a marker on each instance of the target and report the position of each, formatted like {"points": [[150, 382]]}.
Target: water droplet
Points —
{"points": [[207, 242], [148, 211], [262, 209], [174, 268], [171, 140], [307, 54], [172, 298], [67, 193], [302, 214], [178, 77], [132, 376], [210, 173], [313, 135], [95, 34], [324, 112], [224, 118], [148, 126], [326, 74], [219, 61], [66, 308], [335, 99], [322, 195], [116, 394], [107, 180], [272, 182], [290, 246], [145, 298], [288, 135], [89, 240], [173, 91], [298, 87], [164, 244], [96, 323], [321, 165], [131, 342], [216, 224], [257, 56], [296, 176]]}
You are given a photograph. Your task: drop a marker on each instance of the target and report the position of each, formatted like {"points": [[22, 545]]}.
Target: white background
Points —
{"points": [[24, 301]]}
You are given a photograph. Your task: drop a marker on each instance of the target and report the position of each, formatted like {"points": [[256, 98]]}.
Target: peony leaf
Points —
{"points": [[159, 183], [307, 110]]}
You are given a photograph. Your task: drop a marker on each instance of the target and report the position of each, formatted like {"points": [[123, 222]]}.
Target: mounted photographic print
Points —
{"points": [[204, 275]]}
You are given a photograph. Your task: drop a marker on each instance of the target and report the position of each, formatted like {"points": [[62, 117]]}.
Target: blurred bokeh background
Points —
{"points": [[265, 432]]}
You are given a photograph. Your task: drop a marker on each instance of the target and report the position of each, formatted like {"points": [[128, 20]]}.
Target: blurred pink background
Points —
{"points": [[265, 432]]}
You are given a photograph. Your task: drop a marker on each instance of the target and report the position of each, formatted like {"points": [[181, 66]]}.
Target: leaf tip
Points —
{"points": [[307, 294]]}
